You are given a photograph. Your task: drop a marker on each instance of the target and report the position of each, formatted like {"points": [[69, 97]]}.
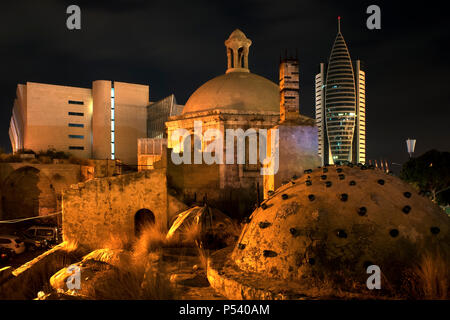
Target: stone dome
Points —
{"points": [[237, 89], [243, 91], [336, 221]]}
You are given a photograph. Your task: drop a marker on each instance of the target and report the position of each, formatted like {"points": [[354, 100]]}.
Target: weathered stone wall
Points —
{"points": [[105, 167], [297, 149], [232, 188], [34, 189], [99, 208], [24, 282]]}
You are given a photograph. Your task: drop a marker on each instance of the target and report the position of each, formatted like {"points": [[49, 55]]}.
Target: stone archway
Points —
{"points": [[142, 218], [27, 192]]}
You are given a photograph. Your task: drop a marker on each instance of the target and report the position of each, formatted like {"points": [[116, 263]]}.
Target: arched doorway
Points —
{"points": [[27, 192], [142, 218]]}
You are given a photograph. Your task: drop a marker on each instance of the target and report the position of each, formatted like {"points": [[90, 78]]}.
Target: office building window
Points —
{"points": [[75, 148], [76, 125], [76, 136], [76, 102], [80, 114]]}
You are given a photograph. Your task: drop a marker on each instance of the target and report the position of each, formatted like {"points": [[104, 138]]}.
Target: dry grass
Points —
{"points": [[142, 279], [222, 235], [203, 256], [72, 247], [142, 276], [137, 282], [191, 233], [121, 241], [235, 230], [429, 278], [152, 238]]}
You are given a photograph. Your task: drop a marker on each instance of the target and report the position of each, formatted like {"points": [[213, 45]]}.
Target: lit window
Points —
{"points": [[112, 124]]}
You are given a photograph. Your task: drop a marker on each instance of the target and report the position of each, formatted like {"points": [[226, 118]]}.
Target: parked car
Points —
{"points": [[12, 242], [5, 254], [48, 233], [32, 243]]}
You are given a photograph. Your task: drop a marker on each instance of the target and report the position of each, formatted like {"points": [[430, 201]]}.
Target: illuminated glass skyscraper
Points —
{"points": [[341, 107]]}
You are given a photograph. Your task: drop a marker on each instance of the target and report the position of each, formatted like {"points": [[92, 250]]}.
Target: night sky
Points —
{"points": [[176, 46]]}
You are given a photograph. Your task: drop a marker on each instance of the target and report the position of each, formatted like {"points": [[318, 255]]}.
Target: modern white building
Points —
{"points": [[341, 107], [102, 122]]}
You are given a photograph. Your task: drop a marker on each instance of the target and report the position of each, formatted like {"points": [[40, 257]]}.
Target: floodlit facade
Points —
{"points": [[102, 122], [341, 107], [235, 100]]}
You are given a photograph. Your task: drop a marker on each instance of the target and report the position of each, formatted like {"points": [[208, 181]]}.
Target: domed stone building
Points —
{"points": [[318, 235], [237, 100], [251, 107]]}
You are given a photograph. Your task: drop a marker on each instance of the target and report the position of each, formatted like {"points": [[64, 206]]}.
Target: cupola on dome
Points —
{"points": [[237, 89]]}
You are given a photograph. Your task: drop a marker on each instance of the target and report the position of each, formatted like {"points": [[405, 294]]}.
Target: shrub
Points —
{"points": [[25, 151], [10, 158], [53, 154]]}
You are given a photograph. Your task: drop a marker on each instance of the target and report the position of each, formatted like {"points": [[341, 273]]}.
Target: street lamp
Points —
{"points": [[410, 145]]}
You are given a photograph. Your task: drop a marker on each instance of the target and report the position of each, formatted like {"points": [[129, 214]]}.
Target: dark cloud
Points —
{"points": [[175, 46]]}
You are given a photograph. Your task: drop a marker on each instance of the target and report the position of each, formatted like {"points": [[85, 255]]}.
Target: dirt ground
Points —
{"points": [[188, 274]]}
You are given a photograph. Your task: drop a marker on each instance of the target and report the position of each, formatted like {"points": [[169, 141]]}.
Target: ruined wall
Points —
{"points": [[34, 189], [105, 167], [99, 208]]}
